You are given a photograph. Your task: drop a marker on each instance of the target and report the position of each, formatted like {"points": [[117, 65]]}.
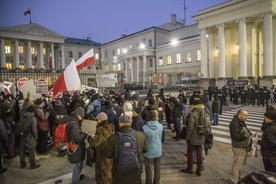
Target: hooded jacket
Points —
{"points": [[154, 132]]}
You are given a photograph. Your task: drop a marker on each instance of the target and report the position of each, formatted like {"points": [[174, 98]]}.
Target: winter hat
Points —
{"points": [[58, 103], [127, 106], [102, 116], [5, 107], [79, 111], [124, 118], [30, 108], [197, 101], [38, 101], [270, 114], [151, 101]]}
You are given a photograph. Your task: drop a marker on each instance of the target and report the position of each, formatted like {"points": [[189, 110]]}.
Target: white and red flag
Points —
{"points": [[69, 80], [86, 60], [50, 64], [27, 11]]}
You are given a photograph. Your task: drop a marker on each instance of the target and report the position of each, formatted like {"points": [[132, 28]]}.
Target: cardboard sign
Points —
{"points": [[41, 86], [89, 126], [30, 87], [20, 83]]}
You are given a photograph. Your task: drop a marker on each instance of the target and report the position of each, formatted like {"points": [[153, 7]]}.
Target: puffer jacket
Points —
{"points": [[192, 136], [240, 135], [268, 141]]}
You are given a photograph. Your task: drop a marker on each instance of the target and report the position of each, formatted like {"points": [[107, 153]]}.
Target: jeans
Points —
{"points": [[203, 157], [149, 162], [239, 160], [77, 167], [215, 118], [177, 126], [190, 150]]}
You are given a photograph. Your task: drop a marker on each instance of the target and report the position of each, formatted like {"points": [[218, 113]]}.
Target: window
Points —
{"points": [[44, 51], [70, 54], [21, 66], [113, 51], [20, 49], [59, 53], [118, 52], [150, 43], [150, 63], [32, 50], [80, 54], [88, 67], [198, 55], [105, 54], [178, 58], [188, 57], [7, 49], [113, 68], [119, 67], [129, 47], [169, 59], [160, 61], [97, 56], [9, 66]]}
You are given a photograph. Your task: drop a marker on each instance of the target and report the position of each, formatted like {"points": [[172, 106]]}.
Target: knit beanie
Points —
{"points": [[78, 111], [127, 106], [102, 116], [270, 114], [38, 101], [151, 101], [5, 107], [30, 108], [197, 101]]}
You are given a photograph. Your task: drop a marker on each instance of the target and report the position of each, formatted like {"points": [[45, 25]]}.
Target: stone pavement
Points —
{"points": [[219, 162]]}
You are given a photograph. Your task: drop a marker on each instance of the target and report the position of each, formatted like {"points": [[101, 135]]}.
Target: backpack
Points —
{"points": [[127, 153], [61, 140], [57, 118], [202, 126], [96, 108], [23, 126]]}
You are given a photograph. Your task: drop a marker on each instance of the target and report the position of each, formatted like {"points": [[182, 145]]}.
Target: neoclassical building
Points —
{"points": [[235, 40]]}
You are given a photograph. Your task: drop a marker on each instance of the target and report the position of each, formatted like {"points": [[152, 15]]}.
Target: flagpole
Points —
{"points": [[30, 17]]}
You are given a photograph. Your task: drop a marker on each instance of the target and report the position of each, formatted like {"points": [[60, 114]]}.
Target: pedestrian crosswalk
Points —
{"points": [[254, 122]]}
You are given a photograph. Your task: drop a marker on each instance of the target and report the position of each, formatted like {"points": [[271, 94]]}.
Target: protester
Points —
{"points": [[3, 144], [103, 170], [215, 110], [241, 144], [133, 177], [177, 114], [137, 121]]}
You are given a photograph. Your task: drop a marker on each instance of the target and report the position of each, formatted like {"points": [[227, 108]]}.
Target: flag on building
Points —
{"points": [[86, 60], [50, 62], [35, 59], [69, 80], [27, 12]]}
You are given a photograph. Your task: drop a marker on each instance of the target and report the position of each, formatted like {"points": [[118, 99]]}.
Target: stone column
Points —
{"points": [[228, 53], [126, 70], [274, 44], [203, 45], [221, 54], [29, 54], [53, 55], [144, 70], [3, 53], [242, 48], [268, 46], [16, 54], [254, 51], [138, 69], [211, 55], [41, 56], [62, 57], [131, 70]]}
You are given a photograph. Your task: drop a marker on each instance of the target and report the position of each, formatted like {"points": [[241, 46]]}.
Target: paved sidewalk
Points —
{"points": [[219, 162]]}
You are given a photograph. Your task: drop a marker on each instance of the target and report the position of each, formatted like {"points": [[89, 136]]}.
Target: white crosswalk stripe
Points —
{"points": [[254, 122]]}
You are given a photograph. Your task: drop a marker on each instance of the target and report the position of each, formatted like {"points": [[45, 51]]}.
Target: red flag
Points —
{"points": [[50, 62], [69, 80], [35, 59], [27, 11], [86, 60]]}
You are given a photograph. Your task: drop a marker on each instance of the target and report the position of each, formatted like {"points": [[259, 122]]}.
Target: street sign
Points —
{"points": [[20, 83]]}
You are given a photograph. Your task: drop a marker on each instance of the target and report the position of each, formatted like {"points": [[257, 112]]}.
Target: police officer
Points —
{"points": [[256, 95], [236, 95], [210, 92], [243, 97], [221, 98], [265, 96]]}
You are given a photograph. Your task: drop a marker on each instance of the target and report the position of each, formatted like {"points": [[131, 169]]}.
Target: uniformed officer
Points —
{"points": [[265, 96], [256, 95], [221, 98], [236, 95], [243, 97]]}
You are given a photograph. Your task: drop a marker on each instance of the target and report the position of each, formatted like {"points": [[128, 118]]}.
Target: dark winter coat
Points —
{"points": [[137, 123], [109, 151], [58, 110], [268, 142], [216, 105], [240, 134], [31, 139], [177, 109], [3, 133], [113, 118]]}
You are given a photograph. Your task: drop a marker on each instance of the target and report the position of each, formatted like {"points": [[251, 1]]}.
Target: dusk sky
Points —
{"points": [[102, 20]]}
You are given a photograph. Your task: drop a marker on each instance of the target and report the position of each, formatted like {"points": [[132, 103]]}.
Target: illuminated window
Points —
{"points": [[169, 59], [106, 68], [118, 51], [198, 55], [188, 57], [32, 50], [20, 49], [119, 66], [160, 61], [97, 56], [21, 66], [44, 51], [8, 66], [7, 49], [129, 47], [113, 68], [178, 58]]}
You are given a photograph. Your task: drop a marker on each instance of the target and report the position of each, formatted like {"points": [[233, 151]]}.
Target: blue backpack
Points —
{"points": [[127, 153]]}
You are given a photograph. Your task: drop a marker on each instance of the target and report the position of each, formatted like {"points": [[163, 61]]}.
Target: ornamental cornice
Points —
{"points": [[225, 8], [31, 30]]}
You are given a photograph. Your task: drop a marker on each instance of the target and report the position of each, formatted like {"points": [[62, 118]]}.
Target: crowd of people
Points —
{"points": [[121, 113]]}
